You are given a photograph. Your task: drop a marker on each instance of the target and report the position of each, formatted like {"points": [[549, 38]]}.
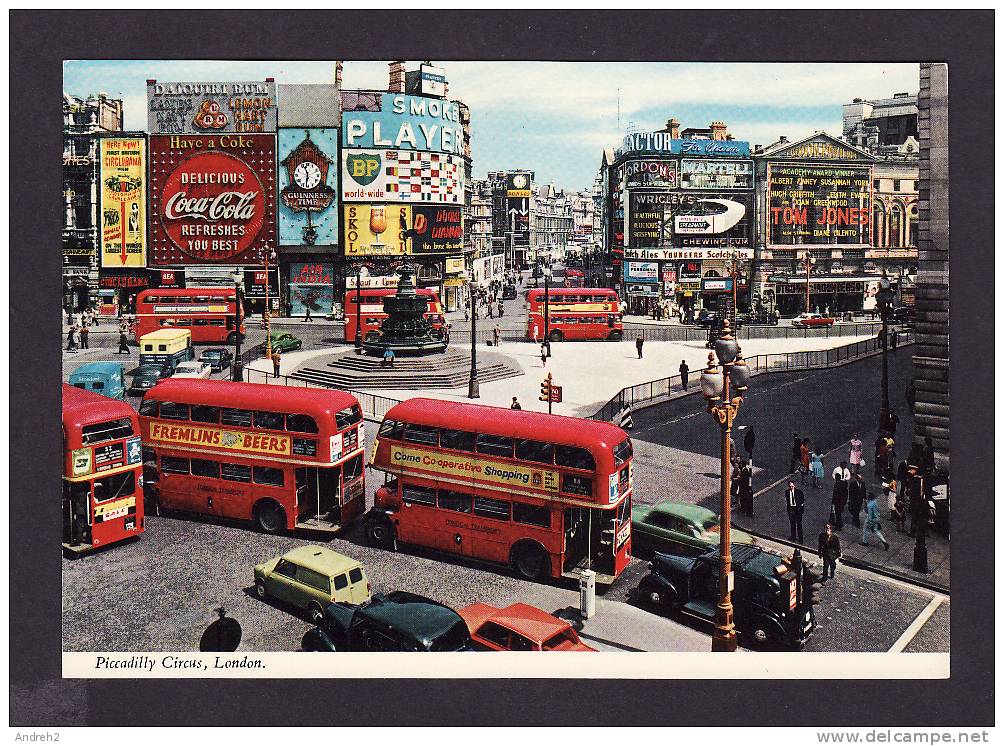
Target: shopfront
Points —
{"points": [[118, 289], [826, 294]]}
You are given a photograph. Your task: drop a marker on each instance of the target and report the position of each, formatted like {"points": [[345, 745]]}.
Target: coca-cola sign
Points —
{"points": [[212, 198]]}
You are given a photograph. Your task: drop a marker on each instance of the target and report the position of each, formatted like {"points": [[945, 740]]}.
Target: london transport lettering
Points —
{"points": [[485, 471]]}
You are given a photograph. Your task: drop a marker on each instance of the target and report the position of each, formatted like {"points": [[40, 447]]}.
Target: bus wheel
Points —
{"points": [[529, 561], [557, 336], [379, 533], [269, 517], [616, 336]]}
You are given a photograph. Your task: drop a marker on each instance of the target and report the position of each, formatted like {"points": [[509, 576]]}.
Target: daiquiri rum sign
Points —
{"points": [[212, 198]]}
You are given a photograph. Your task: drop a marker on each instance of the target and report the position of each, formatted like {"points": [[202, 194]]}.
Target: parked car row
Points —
{"points": [[335, 594]]}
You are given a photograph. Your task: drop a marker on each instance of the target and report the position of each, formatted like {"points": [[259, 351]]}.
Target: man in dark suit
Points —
{"points": [[829, 550], [856, 493], [794, 501]]}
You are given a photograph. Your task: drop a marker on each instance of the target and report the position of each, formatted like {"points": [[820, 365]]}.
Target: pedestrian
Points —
{"points": [[306, 316], [71, 339], [804, 459], [467, 311], [684, 374], [746, 489], [794, 500], [796, 454], [927, 462], [84, 332], [880, 455], [388, 358], [543, 355], [893, 422], [829, 551], [491, 310], [501, 309], [446, 333], [872, 523], [816, 463], [275, 362], [842, 471], [497, 332], [536, 333], [897, 509], [639, 343], [839, 500], [855, 498], [515, 404], [854, 456], [123, 343], [893, 338]]}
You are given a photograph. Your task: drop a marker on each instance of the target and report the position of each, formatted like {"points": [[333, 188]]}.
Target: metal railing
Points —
{"points": [[374, 407], [662, 388]]}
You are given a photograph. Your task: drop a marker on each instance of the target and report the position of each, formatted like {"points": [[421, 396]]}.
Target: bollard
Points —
{"points": [[587, 594]]}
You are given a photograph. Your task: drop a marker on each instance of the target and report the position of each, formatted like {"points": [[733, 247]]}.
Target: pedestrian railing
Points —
{"points": [[374, 407], [662, 388]]}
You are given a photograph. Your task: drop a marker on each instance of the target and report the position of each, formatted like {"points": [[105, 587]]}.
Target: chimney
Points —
{"points": [[396, 77], [782, 138], [718, 130], [338, 73], [673, 127]]}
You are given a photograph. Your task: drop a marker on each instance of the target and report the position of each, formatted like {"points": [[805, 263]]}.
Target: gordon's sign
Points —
{"points": [[215, 437], [479, 469]]}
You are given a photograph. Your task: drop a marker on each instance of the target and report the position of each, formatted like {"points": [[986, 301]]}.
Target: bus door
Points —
{"points": [[318, 497], [576, 529], [76, 513]]}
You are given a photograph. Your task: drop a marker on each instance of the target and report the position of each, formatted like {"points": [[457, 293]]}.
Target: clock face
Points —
{"points": [[307, 175], [519, 181]]}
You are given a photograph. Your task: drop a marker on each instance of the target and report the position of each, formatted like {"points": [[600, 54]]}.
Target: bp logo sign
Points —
{"points": [[364, 168]]}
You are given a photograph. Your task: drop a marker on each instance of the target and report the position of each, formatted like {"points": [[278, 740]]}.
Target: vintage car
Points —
{"points": [[107, 379], [193, 369], [678, 528], [284, 342], [520, 627], [219, 358], [393, 622], [772, 600], [309, 578], [808, 320], [146, 377]]}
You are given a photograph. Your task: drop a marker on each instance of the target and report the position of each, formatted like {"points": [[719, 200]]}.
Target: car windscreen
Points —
{"points": [[148, 370], [455, 638], [563, 637]]}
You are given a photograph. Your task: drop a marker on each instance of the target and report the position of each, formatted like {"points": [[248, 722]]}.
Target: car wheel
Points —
{"points": [[315, 612], [380, 533], [530, 562], [556, 336], [759, 637], [259, 589], [269, 517], [616, 336]]}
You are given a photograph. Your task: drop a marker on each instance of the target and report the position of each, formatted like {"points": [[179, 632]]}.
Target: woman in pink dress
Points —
{"points": [[854, 458]]}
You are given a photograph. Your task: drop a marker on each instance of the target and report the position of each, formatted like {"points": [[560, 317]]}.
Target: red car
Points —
{"points": [[520, 627], [811, 319]]}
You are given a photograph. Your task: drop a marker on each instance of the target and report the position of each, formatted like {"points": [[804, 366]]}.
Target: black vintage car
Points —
{"points": [[772, 601], [396, 622]]}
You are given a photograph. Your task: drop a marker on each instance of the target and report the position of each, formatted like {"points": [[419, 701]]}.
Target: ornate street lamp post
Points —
{"points": [[237, 369], [807, 262], [884, 301], [547, 308], [717, 383], [473, 391], [359, 310], [268, 308]]}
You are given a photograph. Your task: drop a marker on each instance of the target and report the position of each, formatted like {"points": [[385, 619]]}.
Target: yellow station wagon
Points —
{"points": [[311, 577]]}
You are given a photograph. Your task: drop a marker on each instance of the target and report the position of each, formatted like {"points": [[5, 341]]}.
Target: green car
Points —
{"points": [[678, 528], [284, 342], [311, 577]]}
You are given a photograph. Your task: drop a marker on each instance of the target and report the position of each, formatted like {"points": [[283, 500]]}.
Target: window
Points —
{"points": [[149, 408], [286, 568], [486, 507], [236, 417], [201, 413], [458, 501], [268, 475], [341, 582], [495, 634], [559, 639], [897, 185], [203, 468], [102, 431], [116, 485], [661, 520], [624, 512], [535, 450], [172, 411], [519, 643], [574, 458], [172, 465], [300, 423], [269, 420], [625, 477], [353, 468], [392, 429], [622, 451], [878, 185], [313, 579], [531, 515], [236, 472], [576, 484], [421, 434], [355, 575], [348, 416], [458, 440], [414, 493], [494, 445]]}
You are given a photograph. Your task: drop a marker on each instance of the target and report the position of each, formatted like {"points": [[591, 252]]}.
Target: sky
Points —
{"points": [[555, 118]]}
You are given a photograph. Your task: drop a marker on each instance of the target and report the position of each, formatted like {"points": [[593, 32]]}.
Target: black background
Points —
{"points": [[39, 41]]}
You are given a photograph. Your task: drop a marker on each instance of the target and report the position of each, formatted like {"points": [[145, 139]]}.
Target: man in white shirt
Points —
{"points": [[843, 471]]}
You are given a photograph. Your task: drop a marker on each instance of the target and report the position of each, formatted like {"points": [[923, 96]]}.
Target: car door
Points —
{"points": [[281, 583], [311, 586]]}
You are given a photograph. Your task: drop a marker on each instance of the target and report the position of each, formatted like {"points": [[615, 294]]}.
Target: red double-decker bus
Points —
{"points": [[102, 471], [547, 495], [574, 278], [210, 313], [574, 314], [371, 311], [285, 458]]}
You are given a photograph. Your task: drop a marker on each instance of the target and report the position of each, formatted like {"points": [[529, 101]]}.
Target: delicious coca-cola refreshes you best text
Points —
{"points": [[212, 198]]}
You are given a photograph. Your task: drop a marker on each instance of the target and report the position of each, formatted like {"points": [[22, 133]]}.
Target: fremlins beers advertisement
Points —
{"points": [[211, 198]]}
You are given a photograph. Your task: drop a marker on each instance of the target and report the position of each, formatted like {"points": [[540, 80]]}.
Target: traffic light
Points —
{"points": [[545, 391], [812, 582]]}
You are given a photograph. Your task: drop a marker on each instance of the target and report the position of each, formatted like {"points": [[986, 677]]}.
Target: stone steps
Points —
{"points": [[370, 363], [388, 379]]}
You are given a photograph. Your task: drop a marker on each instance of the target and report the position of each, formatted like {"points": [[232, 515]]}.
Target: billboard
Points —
{"points": [[518, 184], [660, 173], [406, 122], [212, 199], [311, 286], [641, 272], [210, 108], [818, 204], [714, 220], [308, 186], [377, 229], [122, 175], [661, 142], [402, 176], [704, 173], [436, 230], [650, 216]]}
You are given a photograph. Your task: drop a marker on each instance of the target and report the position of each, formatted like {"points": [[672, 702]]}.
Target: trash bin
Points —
{"points": [[587, 594]]}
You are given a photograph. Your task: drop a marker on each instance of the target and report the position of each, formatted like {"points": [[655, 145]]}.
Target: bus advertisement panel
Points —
{"points": [[574, 314], [102, 471], [547, 495]]}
